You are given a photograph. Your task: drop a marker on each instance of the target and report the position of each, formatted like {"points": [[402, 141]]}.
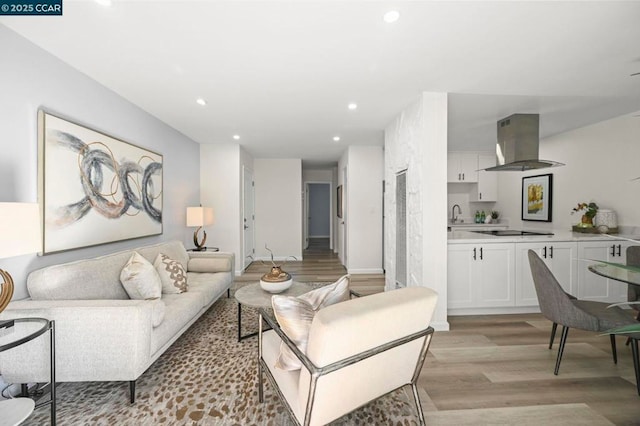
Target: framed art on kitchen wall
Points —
{"points": [[537, 194]]}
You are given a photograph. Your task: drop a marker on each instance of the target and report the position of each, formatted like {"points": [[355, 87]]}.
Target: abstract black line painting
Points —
{"points": [[93, 188]]}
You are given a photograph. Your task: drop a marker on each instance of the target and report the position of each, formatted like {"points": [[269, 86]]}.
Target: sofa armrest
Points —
{"points": [[205, 261], [95, 340]]}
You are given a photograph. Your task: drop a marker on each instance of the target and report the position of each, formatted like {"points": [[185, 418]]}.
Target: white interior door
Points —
{"points": [[249, 218]]}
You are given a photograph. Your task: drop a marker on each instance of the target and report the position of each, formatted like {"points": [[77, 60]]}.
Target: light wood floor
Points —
{"points": [[497, 369]]}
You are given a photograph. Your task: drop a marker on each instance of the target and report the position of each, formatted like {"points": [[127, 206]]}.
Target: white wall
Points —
{"points": [[278, 186], [365, 173], [31, 78], [601, 161], [417, 141]]}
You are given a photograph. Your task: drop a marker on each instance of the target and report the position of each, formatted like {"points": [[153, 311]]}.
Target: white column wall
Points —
{"points": [[220, 188], [365, 174], [417, 141], [278, 187]]}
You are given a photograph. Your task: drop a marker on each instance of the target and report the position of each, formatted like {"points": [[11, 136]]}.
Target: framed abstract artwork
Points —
{"points": [[537, 197], [94, 188]]}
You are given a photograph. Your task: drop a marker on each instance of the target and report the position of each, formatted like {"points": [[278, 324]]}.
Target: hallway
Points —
{"points": [[319, 264]]}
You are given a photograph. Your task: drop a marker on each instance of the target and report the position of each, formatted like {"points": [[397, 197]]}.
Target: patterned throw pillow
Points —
{"points": [[295, 314], [140, 279], [172, 274]]}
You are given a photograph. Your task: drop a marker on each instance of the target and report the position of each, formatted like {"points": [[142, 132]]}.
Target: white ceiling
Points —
{"points": [[280, 74]]}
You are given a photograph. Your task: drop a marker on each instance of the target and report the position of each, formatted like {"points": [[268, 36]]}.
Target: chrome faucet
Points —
{"points": [[454, 218]]}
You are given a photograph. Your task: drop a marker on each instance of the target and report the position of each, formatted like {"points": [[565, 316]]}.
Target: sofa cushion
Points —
{"points": [[295, 315], [209, 264], [209, 285], [172, 274], [87, 279], [140, 279], [174, 249], [158, 310]]}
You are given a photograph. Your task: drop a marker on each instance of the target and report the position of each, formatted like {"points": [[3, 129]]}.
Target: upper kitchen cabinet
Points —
{"points": [[462, 167], [487, 189]]}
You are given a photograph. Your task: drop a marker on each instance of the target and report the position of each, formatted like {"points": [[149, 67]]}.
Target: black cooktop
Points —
{"points": [[512, 233]]}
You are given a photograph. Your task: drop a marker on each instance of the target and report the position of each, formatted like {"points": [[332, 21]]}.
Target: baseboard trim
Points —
{"points": [[278, 258], [365, 271], [494, 311], [440, 325]]}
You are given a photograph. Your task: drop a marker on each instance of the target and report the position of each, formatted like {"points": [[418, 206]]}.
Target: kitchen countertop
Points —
{"points": [[462, 237]]}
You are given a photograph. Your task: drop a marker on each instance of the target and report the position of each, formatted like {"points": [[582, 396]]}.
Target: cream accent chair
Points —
{"points": [[358, 351]]}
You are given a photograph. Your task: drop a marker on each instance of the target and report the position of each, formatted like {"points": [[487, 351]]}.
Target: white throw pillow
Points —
{"points": [[295, 314], [172, 274], [140, 279]]}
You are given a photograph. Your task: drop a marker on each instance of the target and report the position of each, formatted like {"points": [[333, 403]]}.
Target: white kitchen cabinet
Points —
{"points": [[595, 287], [560, 258], [487, 188], [462, 167], [481, 275]]}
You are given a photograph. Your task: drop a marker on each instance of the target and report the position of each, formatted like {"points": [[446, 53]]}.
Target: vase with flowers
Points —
{"points": [[589, 211]]}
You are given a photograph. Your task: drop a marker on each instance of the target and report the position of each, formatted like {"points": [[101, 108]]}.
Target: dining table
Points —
{"points": [[629, 275]]}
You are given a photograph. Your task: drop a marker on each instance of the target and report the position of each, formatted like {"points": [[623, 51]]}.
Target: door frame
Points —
{"points": [[247, 172], [305, 222]]}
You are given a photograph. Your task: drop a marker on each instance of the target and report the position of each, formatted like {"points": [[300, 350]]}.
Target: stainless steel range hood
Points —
{"points": [[517, 146]]}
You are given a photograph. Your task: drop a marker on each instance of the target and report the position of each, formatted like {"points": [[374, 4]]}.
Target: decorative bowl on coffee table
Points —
{"points": [[277, 286]]}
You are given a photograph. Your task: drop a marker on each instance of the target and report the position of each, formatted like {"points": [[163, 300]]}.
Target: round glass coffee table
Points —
{"points": [[254, 296]]}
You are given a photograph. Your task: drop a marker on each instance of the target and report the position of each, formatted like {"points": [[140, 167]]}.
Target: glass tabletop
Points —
{"points": [[22, 331], [617, 272]]}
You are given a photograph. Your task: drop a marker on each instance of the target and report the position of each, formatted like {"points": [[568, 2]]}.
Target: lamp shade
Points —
{"points": [[199, 216], [19, 229]]}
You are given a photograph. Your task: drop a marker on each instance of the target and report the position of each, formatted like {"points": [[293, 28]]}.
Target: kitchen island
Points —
{"points": [[490, 274]]}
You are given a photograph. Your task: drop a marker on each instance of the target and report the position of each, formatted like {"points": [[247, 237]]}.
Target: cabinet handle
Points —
{"points": [[480, 253], [481, 195], [613, 250], [619, 250], [544, 252], [463, 176], [551, 252], [474, 253]]}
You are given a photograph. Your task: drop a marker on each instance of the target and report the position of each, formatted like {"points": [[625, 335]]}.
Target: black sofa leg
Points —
{"points": [[132, 391]]}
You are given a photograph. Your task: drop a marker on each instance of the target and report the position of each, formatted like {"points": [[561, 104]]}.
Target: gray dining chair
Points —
{"points": [[562, 308]]}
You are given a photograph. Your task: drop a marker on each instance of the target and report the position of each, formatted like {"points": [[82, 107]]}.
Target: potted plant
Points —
{"points": [[589, 211], [494, 216]]}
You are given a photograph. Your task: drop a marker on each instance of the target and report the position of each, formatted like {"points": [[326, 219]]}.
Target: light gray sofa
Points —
{"points": [[101, 334]]}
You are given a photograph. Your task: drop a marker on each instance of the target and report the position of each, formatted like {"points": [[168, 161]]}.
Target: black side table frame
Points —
{"points": [[50, 327]]}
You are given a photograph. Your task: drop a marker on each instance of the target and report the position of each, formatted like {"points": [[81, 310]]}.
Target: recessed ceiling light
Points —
{"points": [[336, 138], [236, 137], [105, 3], [391, 16], [353, 106], [201, 101]]}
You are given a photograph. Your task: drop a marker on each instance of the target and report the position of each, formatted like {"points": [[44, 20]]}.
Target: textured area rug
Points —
{"points": [[206, 378]]}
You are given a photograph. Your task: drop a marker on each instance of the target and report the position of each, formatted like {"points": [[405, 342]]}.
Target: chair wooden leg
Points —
{"points": [[553, 334], [563, 340], [613, 348], [418, 405], [636, 361]]}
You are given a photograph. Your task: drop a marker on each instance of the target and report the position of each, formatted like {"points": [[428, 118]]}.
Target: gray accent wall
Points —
{"points": [[319, 210], [31, 78]]}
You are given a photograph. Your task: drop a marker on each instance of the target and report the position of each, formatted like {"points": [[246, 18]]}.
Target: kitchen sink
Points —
{"points": [[512, 233]]}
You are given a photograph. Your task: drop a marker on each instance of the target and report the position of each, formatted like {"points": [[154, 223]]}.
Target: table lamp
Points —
{"points": [[19, 234], [199, 216]]}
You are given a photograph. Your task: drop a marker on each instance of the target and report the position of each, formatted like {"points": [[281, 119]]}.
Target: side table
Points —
{"points": [[25, 330], [254, 296], [205, 249]]}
